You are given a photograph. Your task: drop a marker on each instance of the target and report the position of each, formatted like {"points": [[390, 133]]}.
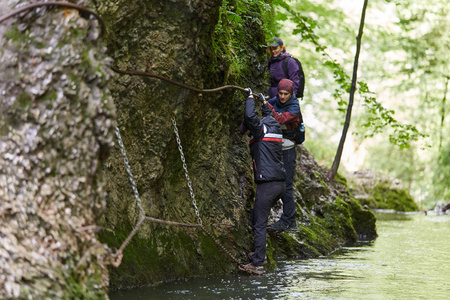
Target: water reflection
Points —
{"points": [[409, 260]]}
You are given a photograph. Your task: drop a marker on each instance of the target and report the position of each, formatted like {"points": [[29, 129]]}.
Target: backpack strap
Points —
{"points": [[301, 76], [285, 70]]}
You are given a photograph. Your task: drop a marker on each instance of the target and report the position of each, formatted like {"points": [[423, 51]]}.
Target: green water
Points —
{"points": [[409, 260]]}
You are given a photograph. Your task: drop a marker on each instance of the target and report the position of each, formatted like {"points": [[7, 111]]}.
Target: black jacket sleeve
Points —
{"points": [[251, 119]]}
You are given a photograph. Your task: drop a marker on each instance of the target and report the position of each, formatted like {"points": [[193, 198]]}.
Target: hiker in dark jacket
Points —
{"points": [[278, 54], [286, 110], [269, 174]]}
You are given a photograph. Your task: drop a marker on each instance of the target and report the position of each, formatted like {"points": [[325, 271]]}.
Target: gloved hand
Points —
{"points": [[262, 98], [249, 90]]}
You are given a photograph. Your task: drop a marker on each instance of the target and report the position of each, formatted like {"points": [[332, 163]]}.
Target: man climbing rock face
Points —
{"points": [[269, 174]]}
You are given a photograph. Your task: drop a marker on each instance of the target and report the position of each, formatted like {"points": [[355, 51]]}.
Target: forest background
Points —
{"points": [[399, 116]]}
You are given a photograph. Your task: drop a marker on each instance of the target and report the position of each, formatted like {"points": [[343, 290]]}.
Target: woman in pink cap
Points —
{"points": [[286, 110]]}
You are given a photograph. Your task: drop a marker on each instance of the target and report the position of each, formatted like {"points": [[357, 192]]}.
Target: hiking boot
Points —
{"points": [[251, 269], [250, 255], [293, 227], [278, 226]]}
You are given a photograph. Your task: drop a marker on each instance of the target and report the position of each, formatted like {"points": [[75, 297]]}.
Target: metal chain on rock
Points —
{"points": [[118, 255], [191, 191], [221, 246], [130, 175], [180, 148]]}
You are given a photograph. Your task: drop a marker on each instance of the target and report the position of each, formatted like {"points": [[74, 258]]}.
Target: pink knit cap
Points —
{"points": [[286, 85]]}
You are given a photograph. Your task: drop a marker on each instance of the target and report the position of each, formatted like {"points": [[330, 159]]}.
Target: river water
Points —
{"points": [[410, 259]]}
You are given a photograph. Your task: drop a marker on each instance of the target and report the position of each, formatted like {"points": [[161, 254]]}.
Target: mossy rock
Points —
{"points": [[376, 190]]}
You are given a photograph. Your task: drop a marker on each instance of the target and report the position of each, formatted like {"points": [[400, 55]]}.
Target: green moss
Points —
{"points": [[134, 267], [319, 178], [270, 253], [239, 21], [339, 222], [23, 101], [311, 240], [187, 252], [84, 289], [4, 129], [370, 202], [49, 95], [381, 192], [20, 106], [16, 35], [86, 62], [329, 226], [397, 199], [363, 221], [340, 179], [316, 239]]}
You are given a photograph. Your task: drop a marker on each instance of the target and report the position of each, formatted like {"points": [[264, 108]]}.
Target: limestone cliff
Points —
{"points": [[56, 121], [174, 39]]}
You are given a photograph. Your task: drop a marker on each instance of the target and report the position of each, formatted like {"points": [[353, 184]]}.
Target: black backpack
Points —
{"points": [[301, 75]]}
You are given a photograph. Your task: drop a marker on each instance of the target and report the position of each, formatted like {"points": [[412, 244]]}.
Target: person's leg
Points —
{"points": [[288, 216], [266, 195]]}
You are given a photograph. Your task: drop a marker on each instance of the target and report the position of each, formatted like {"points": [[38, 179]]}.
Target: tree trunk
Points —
{"points": [[443, 112], [340, 149], [55, 127]]}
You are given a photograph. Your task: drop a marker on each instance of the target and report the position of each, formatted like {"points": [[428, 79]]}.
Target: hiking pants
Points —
{"points": [[267, 194], [288, 216]]}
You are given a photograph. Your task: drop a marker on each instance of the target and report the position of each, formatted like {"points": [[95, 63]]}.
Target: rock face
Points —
{"points": [[176, 39], [56, 120], [377, 190]]}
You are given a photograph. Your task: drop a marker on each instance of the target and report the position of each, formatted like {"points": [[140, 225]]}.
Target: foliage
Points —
{"points": [[399, 124], [231, 37], [380, 117], [414, 69], [425, 41]]}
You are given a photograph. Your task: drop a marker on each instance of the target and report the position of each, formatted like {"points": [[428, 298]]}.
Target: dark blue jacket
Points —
{"points": [[265, 144]]}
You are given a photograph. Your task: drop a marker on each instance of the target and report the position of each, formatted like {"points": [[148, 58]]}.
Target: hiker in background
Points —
{"points": [[282, 65], [268, 171], [286, 110]]}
